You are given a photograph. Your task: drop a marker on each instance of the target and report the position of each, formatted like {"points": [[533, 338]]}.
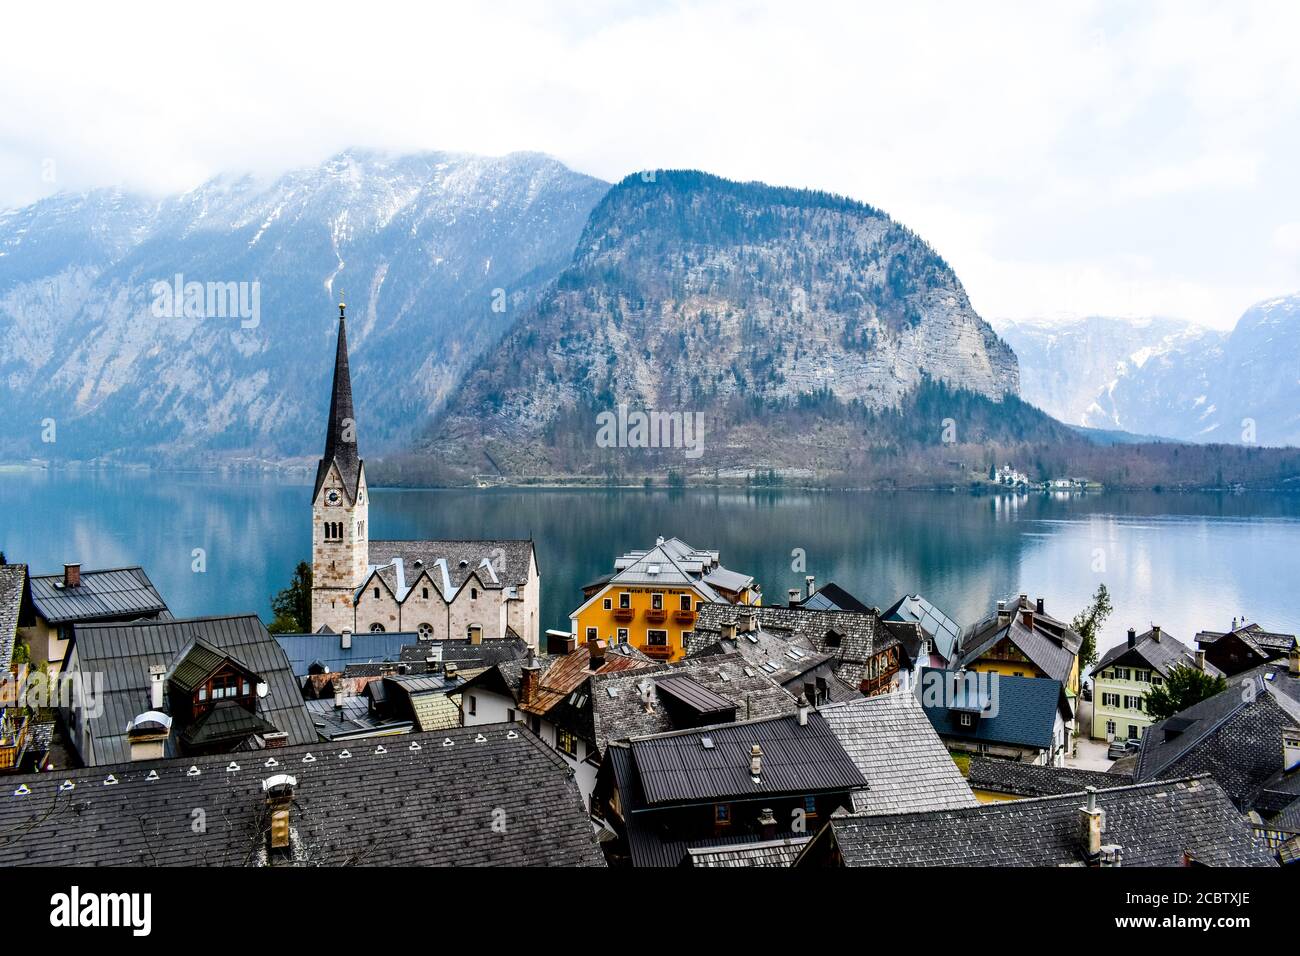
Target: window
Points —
{"points": [[686, 602], [424, 593], [1110, 700], [609, 604], [425, 631], [565, 742], [1132, 703], [510, 715], [967, 720], [376, 592], [473, 594], [833, 639], [593, 633], [622, 635], [473, 706], [657, 601], [1133, 732], [625, 599], [686, 639], [376, 628], [810, 806], [1110, 728], [656, 638], [722, 814], [1156, 680]]}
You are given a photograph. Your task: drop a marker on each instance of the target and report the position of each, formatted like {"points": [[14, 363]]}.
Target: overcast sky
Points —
{"points": [[1086, 158]]}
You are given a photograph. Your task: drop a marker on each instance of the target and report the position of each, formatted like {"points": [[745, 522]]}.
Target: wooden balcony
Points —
{"points": [[656, 615], [660, 652], [684, 617], [624, 614]]}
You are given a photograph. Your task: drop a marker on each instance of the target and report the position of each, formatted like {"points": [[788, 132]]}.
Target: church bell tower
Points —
{"points": [[340, 507]]}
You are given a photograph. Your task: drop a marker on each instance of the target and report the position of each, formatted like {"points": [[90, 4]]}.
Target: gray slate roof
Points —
{"points": [[422, 799], [13, 582], [1033, 780], [123, 653], [1264, 643], [861, 635], [1161, 653], [619, 714], [1236, 735], [466, 655], [1155, 824], [784, 659], [769, 853], [1026, 711], [938, 627], [906, 765], [1050, 644], [109, 594]]}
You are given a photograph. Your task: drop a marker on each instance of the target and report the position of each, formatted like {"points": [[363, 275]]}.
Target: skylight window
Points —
{"points": [[706, 743], [612, 691]]}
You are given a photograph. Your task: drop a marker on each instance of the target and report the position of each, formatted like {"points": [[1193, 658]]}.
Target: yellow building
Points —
{"points": [[1022, 640], [651, 598]]}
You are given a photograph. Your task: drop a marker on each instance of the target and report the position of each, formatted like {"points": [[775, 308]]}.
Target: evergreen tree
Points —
{"points": [[1088, 622], [292, 606]]}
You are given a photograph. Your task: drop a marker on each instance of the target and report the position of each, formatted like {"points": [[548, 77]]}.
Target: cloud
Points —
{"points": [[1021, 139]]}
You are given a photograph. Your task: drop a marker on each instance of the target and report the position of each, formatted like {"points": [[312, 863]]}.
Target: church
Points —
{"points": [[440, 590]]}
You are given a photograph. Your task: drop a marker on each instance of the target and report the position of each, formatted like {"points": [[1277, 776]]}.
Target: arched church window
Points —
{"points": [[377, 594], [424, 592], [376, 628]]}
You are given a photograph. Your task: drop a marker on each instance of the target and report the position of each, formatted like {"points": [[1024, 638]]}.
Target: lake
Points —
{"points": [[1186, 561]]}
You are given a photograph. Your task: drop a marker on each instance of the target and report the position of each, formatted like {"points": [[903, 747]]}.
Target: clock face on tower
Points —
{"points": [[332, 497]]}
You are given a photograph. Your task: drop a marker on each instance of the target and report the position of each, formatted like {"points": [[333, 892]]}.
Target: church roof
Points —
{"points": [[341, 433]]}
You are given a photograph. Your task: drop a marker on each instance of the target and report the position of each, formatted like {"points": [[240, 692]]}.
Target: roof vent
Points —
{"points": [[279, 801], [756, 762]]}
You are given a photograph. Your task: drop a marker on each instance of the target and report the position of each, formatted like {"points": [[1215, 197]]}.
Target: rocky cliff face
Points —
{"points": [[1171, 379], [692, 293], [436, 252]]}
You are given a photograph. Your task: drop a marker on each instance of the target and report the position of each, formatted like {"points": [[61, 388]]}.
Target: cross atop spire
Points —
{"points": [[341, 430]]}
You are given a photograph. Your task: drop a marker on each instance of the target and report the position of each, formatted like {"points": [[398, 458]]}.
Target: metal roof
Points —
{"points": [[108, 594], [694, 695], [713, 763], [939, 627], [368, 647]]}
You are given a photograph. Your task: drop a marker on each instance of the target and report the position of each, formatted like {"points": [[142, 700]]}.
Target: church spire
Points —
{"points": [[341, 432]]}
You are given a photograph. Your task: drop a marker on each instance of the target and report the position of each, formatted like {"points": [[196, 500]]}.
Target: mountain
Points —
{"points": [[732, 301], [1067, 367], [437, 253], [1175, 380]]}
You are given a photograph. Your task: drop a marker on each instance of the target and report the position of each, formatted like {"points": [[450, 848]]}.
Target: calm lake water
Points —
{"points": [[1185, 562]]}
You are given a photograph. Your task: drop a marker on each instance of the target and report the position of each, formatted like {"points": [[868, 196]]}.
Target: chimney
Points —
{"points": [[1092, 823], [338, 696], [72, 575], [1132, 637], [767, 824], [1200, 659], [1293, 660], [279, 801], [804, 707], [756, 761], [595, 654], [1290, 748], [729, 630], [746, 620], [476, 633], [1155, 632], [450, 671], [647, 691], [1039, 606], [1111, 855], [1027, 617], [147, 735], [810, 584], [528, 678], [275, 739], [1004, 615], [345, 639], [156, 674], [794, 596]]}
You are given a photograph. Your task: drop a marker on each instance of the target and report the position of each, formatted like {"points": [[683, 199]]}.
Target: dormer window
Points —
{"points": [[967, 720]]}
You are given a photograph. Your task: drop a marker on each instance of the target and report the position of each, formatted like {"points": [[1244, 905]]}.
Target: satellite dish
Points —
{"points": [[262, 689]]}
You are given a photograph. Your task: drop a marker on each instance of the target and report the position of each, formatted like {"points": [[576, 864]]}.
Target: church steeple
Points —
{"points": [[341, 431]]}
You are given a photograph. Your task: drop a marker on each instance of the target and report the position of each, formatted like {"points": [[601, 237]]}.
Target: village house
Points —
{"points": [[104, 596], [1026, 719], [793, 662], [551, 696], [651, 598], [482, 796], [1248, 738], [438, 589], [1127, 672], [827, 597], [1185, 822], [865, 653], [941, 632], [180, 687], [746, 782], [1243, 647], [1021, 640], [385, 705]]}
